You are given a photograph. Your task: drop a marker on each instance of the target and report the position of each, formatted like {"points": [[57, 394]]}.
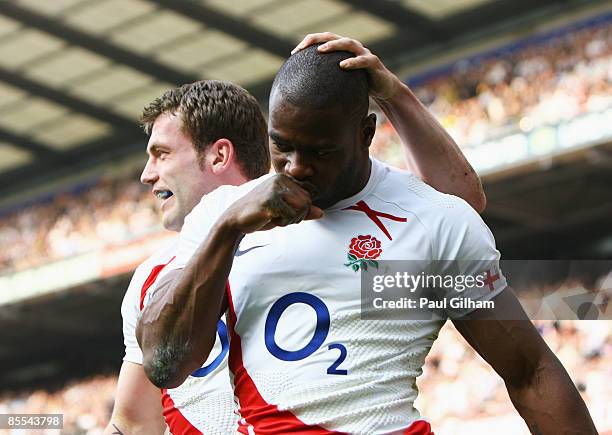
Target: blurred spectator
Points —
{"points": [[86, 406]]}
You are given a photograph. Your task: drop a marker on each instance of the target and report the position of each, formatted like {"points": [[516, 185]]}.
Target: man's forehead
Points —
{"points": [[167, 121], [304, 140], [166, 131]]}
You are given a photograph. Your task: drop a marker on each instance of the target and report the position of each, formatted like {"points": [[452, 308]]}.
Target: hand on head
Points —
{"points": [[384, 85]]}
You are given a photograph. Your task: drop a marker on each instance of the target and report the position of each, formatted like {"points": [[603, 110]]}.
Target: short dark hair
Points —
{"points": [[315, 80], [211, 110]]}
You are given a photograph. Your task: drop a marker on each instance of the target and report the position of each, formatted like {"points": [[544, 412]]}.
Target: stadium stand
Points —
{"points": [[543, 80], [108, 212]]}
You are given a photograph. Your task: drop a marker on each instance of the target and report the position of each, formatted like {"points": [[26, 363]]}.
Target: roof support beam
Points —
{"points": [[236, 28], [74, 103], [96, 44], [38, 149], [145, 64], [410, 23], [71, 162], [492, 14]]}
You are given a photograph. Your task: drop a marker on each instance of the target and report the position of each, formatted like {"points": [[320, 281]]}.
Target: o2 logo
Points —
{"points": [[318, 338], [222, 332]]}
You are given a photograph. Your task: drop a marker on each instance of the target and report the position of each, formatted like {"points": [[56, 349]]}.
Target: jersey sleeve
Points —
{"points": [[130, 310], [466, 253], [199, 222]]}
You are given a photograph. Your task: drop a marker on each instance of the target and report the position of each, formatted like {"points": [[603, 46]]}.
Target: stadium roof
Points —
{"points": [[75, 74]]}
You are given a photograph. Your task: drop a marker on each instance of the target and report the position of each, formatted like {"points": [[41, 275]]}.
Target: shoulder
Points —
{"points": [[448, 220], [405, 187], [411, 194], [160, 257]]}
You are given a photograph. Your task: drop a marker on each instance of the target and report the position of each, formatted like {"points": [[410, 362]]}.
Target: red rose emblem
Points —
{"points": [[367, 247]]}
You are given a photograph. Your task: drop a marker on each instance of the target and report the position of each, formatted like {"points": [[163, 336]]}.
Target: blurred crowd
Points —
{"points": [[460, 394], [543, 81], [110, 212], [86, 406]]}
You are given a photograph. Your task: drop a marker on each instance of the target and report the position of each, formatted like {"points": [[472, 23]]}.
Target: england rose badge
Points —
{"points": [[363, 251]]}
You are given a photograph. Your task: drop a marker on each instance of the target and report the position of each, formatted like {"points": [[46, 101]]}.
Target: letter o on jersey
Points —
{"points": [[319, 336], [222, 332]]}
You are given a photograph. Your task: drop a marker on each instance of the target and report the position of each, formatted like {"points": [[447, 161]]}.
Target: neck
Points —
{"points": [[233, 177], [362, 175]]}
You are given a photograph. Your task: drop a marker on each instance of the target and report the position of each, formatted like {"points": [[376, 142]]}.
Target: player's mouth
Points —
{"points": [[310, 188], [163, 195]]}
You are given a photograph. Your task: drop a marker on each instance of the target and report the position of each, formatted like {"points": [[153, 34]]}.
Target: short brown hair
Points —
{"points": [[211, 110]]}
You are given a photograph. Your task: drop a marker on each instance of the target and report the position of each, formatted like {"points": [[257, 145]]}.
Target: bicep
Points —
{"points": [[138, 406], [505, 338]]}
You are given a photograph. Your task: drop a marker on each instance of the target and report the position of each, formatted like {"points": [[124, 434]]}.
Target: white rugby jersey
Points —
{"points": [[204, 403], [301, 358]]}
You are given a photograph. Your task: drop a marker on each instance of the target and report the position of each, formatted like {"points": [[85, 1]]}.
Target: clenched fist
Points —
{"points": [[277, 202]]}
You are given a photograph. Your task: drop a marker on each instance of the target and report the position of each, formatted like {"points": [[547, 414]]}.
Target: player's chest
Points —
{"points": [[323, 257]]}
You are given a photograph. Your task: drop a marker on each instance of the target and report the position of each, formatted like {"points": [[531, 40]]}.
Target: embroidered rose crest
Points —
{"points": [[363, 250]]}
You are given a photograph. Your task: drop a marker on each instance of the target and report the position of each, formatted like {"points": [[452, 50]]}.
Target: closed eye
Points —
{"points": [[283, 148], [323, 153]]}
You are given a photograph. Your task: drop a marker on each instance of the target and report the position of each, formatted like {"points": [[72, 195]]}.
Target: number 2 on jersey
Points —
{"points": [[318, 338]]}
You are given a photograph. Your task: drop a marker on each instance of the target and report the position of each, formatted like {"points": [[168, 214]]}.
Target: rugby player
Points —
{"points": [[192, 150], [202, 135], [301, 359]]}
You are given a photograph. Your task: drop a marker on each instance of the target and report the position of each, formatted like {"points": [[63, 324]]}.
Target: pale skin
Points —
{"points": [[137, 407], [399, 103], [172, 165]]}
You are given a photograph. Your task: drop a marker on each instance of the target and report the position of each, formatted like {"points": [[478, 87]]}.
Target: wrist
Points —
{"points": [[228, 228], [395, 90]]}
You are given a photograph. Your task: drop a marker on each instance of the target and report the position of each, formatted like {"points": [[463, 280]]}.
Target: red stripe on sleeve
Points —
{"points": [[150, 280]]}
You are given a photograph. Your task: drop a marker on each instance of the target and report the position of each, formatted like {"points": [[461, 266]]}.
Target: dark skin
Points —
{"points": [[331, 159], [324, 153], [538, 385]]}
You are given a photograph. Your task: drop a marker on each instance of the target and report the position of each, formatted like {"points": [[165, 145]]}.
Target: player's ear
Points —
{"points": [[220, 155], [368, 128]]}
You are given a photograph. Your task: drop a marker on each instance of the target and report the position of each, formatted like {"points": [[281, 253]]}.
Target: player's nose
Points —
{"points": [[298, 167], [149, 173]]}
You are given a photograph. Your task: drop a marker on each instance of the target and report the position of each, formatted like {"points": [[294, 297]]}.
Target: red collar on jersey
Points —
{"points": [[374, 215]]}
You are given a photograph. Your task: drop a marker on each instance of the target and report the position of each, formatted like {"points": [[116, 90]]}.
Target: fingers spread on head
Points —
{"points": [[361, 62], [344, 44], [314, 38]]}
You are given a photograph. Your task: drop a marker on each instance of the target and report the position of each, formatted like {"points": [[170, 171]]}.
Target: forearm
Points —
{"points": [[430, 152], [178, 328], [549, 403], [137, 408]]}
